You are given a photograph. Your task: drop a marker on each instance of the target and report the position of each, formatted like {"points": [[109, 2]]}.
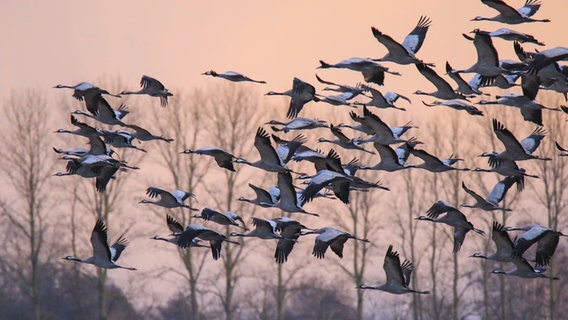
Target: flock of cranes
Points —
{"points": [[334, 178]]}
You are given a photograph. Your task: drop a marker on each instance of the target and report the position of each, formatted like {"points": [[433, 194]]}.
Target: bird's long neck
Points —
{"points": [[81, 112], [420, 292], [72, 258], [234, 234], [132, 92], [127, 268], [364, 286], [359, 239], [160, 238], [478, 255]]}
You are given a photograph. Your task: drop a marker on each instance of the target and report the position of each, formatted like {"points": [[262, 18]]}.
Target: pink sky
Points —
{"points": [[47, 43]]}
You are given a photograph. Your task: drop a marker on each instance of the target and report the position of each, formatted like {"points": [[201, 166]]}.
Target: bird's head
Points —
{"points": [[210, 73], [241, 160], [498, 271], [478, 18]]}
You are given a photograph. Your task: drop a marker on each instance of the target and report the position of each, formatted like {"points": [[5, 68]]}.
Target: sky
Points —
{"points": [[175, 41]]}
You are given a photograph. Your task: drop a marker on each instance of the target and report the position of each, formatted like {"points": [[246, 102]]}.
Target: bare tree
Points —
{"points": [[233, 115], [27, 167], [183, 122], [553, 195]]}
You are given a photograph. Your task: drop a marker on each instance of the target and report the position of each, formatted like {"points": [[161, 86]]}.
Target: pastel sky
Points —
{"points": [[50, 42]]}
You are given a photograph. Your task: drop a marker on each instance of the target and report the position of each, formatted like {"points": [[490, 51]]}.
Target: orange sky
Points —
{"points": [[46, 43]]}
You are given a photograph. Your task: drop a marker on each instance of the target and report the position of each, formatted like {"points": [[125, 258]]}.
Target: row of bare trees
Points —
{"points": [[45, 218]]}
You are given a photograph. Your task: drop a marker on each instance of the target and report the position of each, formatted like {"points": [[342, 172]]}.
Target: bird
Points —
{"points": [[80, 89], [341, 183], [145, 135], [100, 110], [546, 58], [381, 101], [298, 123], [96, 146], [84, 129], [432, 163], [95, 160], [463, 87], [404, 53], [153, 88], [372, 71], [288, 200], [290, 231], [497, 194], [103, 172], [456, 105], [487, 63], [443, 89], [503, 244], [509, 15], [177, 229], [403, 151], [524, 270], [354, 90], [343, 141], [120, 139], [288, 148], [169, 200], [216, 239], [529, 108], [513, 35], [104, 255], [546, 238], [269, 160], [398, 275], [264, 229], [390, 160], [225, 219], [338, 100], [381, 132], [453, 217], [516, 150], [503, 167], [223, 158], [231, 76], [263, 198], [301, 93], [332, 238]]}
